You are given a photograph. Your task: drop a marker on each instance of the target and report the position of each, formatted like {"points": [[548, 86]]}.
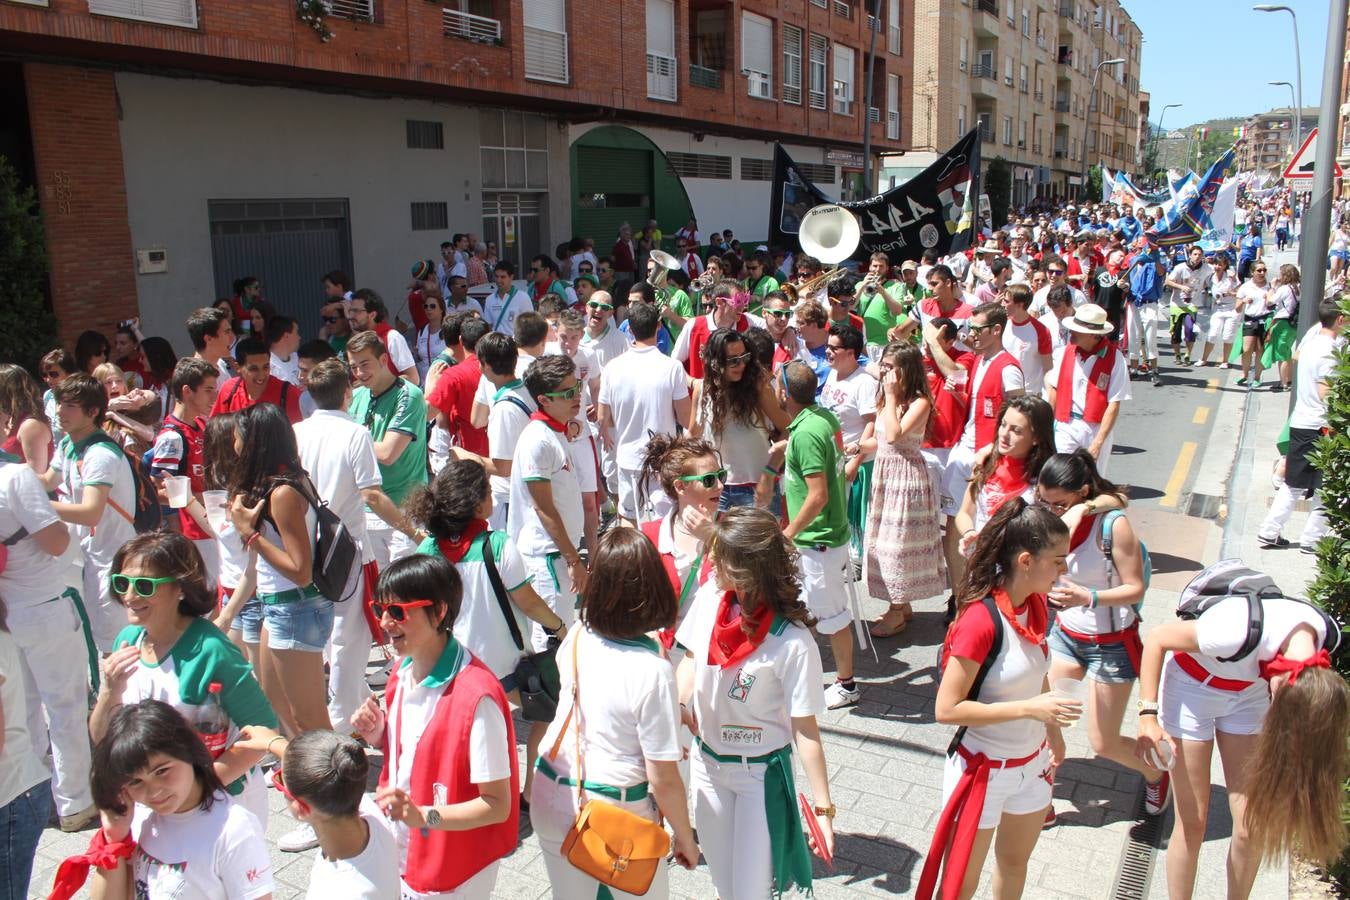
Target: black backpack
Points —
{"points": [[985, 665], [147, 514], [1233, 578], [335, 550]]}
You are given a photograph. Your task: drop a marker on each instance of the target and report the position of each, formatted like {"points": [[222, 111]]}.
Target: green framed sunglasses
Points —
{"points": [[567, 394], [709, 480], [143, 585]]}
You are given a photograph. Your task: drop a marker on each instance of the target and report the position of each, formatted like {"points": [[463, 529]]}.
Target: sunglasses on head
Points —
{"points": [[143, 585], [397, 610], [566, 394], [709, 480]]}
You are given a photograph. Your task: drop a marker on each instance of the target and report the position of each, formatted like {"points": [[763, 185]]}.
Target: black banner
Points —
{"points": [[934, 210]]}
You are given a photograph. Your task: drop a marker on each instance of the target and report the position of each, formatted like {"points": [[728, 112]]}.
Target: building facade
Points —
{"points": [[1343, 120], [180, 144], [1022, 71], [1269, 140]]}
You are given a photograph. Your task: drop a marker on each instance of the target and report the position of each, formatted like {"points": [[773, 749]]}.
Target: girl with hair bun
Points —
{"points": [[172, 652], [1009, 738]]}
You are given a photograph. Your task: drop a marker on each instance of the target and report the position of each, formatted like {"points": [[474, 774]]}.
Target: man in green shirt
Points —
{"points": [[678, 306], [760, 281], [395, 411], [818, 519], [885, 303]]}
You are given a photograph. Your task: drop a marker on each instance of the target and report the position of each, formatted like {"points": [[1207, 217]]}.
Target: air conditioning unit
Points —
{"points": [[963, 65], [760, 85]]}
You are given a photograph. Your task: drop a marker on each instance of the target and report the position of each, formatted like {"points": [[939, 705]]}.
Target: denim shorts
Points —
{"points": [[249, 622], [1107, 663], [299, 625], [734, 495]]}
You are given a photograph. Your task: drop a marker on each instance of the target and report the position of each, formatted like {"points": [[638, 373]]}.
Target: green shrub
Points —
{"points": [[27, 326]]}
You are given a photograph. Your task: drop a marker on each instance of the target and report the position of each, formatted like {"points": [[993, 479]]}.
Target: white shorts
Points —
{"points": [[956, 479], [935, 461], [827, 577], [1076, 434], [1192, 711], [553, 585], [1020, 791], [1223, 327]]}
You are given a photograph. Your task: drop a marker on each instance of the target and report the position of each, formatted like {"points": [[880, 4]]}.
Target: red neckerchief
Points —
{"points": [[539, 294], [1082, 532], [101, 854], [453, 549], [1085, 354], [1281, 664], [1008, 480], [541, 416], [1038, 615], [730, 643]]}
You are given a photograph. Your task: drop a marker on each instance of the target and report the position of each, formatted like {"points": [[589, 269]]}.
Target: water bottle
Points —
{"points": [[213, 723]]}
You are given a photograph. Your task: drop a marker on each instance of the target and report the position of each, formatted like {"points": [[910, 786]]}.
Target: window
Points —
{"points": [[965, 53], [699, 165], [430, 216], [818, 50], [1026, 22], [1022, 133], [892, 107], [356, 10], [662, 74], [843, 80], [163, 12], [893, 33], [756, 169], [1012, 12], [1007, 129], [707, 47], [1008, 70], [961, 120], [425, 135], [545, 41], [514, 149], [1022, 78], [757, 54], [817, 173], [792, 64]]}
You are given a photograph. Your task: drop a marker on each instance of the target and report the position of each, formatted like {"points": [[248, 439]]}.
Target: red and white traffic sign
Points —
{"points": [[1301, 166]]}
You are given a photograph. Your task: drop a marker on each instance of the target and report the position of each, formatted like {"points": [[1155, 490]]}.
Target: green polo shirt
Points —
{"points": [[815, 445], [760, 289], [400, 408], [876, 315]]}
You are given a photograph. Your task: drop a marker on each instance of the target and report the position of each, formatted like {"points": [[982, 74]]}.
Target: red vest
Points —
{"points": [[1099, 379], [383, 329], [443, 860], [949, 408], [989, 400], [192, 465]]}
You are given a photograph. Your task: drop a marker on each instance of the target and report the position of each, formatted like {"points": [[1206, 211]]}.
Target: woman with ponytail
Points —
{"points": [[995, 688], [1025, 440], [750, 690], [1274, 707], [1096, 631]]}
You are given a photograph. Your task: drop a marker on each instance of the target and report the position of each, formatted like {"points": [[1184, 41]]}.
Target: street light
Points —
{"points": [[1298, 66], [1092, 96], [1298, 116], [1162, 115]]}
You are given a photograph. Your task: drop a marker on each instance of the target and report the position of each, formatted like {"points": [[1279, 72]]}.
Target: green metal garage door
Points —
{"points": [[613, 186]]}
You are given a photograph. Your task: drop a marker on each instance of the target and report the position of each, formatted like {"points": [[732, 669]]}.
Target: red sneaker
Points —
{"points": [[1050, 818], [1158, 795]]}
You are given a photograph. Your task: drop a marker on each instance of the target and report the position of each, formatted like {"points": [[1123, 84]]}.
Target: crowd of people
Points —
{"points": [[673, 481]]}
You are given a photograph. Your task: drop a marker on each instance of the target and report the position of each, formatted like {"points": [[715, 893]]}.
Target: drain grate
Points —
{"points": [[1135, 873]]}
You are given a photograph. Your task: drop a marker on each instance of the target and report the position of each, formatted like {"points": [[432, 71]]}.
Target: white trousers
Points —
{"points": [[387, 544], [106, 616], [348, 653], [1282, 506], [55, 657], [1143, 329], [1075, 434], [732, 828]]}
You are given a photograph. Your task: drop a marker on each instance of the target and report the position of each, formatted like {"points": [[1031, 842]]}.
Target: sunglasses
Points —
{"points": [[778, 313], [1058, 509], [596, 304], [279, 782], [144, 585], [566, 394], [739, 359], [330, 319], [1053, 272], [977, 329], [709, 480], [397, 611], [832, 348]]}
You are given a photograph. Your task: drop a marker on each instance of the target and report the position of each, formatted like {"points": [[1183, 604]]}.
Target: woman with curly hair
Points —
{"points": [[750, 689], [24, 426], [735, 410]]}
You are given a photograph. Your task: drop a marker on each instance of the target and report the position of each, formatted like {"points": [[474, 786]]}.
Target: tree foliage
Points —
{"points": [[27, 326]]}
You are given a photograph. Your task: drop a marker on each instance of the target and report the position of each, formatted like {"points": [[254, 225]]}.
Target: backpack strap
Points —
{"points": [[499, 591], [517, 403], [986, 665], [1256, 614], [103, 438], [238, 383]]}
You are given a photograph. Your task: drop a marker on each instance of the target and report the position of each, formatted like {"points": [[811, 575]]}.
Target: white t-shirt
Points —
{"points": [[1316, 362], [543, 455], [1258, 299], [608, 346], [1195, 279], [747, 710], [1059, 335], [20, 768], [1222, 629], [31, 576], [626, 720], [1117, 388], [1223, 292], [852, 400], [103, 464], [500, 312], [371, 874], [216, 854], [339, 456], [287, 369], [640, 388], [1040, 305], [1012, 381], [506, 420], [1027, 342], [399, 351], [1017, 674]]}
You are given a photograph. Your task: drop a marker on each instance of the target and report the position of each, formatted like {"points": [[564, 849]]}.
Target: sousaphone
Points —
{"points": [[831, 234]]}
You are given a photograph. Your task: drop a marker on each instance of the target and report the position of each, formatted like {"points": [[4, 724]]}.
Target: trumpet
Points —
{"points": [[704, 281]]}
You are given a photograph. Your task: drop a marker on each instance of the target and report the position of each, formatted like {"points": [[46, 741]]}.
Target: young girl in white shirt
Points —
{"points": [[751, 690]]}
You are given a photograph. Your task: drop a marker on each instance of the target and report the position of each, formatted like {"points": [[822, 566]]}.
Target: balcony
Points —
{"points": [[986, 132], [1061, 153], [988, 6], [1040, 96], [1064, 57], [1067, 11], [984, 70], [356, 10], [467, 26], [663, 78], [1061, 106], [704, 77]]}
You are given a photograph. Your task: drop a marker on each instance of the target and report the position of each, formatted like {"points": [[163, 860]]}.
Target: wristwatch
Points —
{"points": [[1147, 708], [433, 817], [826, 811]]}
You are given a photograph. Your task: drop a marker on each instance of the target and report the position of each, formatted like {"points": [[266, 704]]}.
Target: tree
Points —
{"points": [[27, 326], [1094, 184], [998, 185]]}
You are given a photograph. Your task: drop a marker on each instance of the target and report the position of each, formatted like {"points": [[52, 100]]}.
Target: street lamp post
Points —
{"points": [[1298, 118], [1092, 97], [1162, 115], [1298, 67]]}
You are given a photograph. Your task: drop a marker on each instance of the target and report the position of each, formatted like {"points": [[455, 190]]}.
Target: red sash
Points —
{"points": [[1134, 645], [652, 531], [1094, 397], [371, 573]]}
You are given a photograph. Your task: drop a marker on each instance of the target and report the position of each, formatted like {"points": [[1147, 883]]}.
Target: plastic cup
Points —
{"points": [[959, 377], [1162, 756], [1071, 689], [217, 508], [179, 489]]}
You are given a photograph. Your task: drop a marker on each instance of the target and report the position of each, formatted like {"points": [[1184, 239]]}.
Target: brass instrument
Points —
{"points": [[662, 264], [831, 234], [703, 282]]}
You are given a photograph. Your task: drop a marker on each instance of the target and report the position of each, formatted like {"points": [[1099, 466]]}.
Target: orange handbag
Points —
{"points": [[612, 845]]}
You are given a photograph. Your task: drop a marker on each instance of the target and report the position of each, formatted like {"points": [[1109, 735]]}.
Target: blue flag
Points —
{"points": [[1108, 183], [1187, 217]]}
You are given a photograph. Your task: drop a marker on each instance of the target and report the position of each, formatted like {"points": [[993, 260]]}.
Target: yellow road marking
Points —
{"points": [[1201, 416], [1172, 492], [1211, 385]]}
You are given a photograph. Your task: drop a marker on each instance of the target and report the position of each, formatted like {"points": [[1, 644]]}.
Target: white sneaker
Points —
{"points": [[838, 696], [1223, 365], [299, 839], [1198, 364]]}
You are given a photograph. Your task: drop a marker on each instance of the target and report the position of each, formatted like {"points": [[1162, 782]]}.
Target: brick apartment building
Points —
{"points": [[179, 144], [1268, 139]]}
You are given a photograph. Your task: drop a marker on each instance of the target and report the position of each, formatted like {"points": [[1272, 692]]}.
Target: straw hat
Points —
{"points": [[1088, 319]]}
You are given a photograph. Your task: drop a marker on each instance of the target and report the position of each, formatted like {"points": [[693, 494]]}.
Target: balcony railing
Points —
{"points": [[1062, 106], [987, 133], [702, 76], [1067, 11], [1040, 96], [470, 27], [984, 70], [662, 77], [989, 6], [1061, 153], [356, 10]]}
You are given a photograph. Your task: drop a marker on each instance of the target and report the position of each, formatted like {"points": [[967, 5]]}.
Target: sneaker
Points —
{"points": [[78, 821], [298, 839], [1157, 377], [1278, 388], [1241, 382], [1158, 795], [838, 696], [1310, 549], [1198, 364], [1050, 818], [1269, 542], [1223, 365]]}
